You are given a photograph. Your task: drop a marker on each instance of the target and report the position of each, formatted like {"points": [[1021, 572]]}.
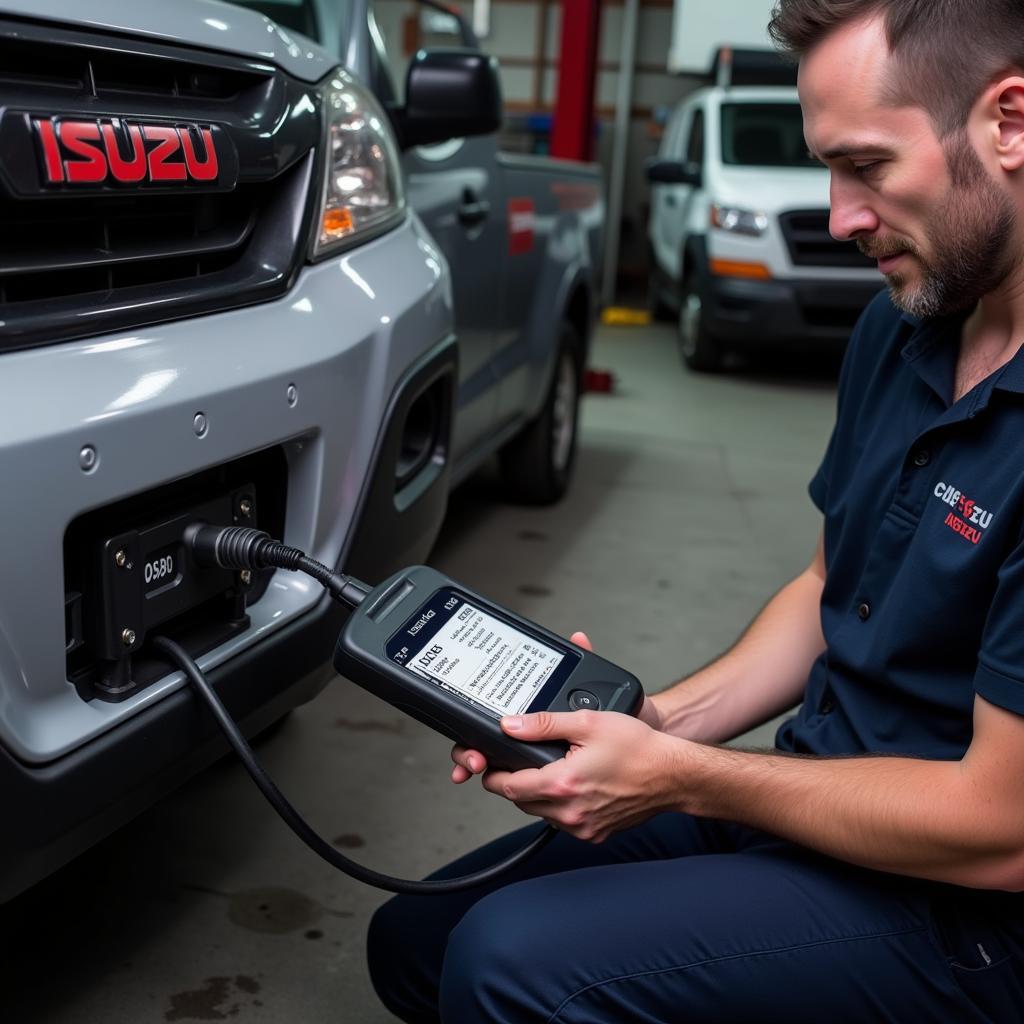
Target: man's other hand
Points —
{"points": [[471, 762], [617, 773]]}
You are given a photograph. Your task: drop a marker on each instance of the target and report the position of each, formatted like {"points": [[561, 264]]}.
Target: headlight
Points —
{"points": [[363, 183], [742, 222]]}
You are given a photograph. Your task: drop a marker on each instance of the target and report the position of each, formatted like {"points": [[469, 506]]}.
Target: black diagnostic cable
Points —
{"points": [[243, 548]]}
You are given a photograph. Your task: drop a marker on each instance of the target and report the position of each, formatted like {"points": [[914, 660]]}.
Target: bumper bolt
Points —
{"points": [[128, 637], [120, 559], [245, 576], [245, 507]]}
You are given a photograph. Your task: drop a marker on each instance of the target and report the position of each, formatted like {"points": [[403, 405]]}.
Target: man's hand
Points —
{"points": [[618, 772], [471, 762]]}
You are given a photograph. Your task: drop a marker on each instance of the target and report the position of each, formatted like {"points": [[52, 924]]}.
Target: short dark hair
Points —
{"points": [[946, 51]]}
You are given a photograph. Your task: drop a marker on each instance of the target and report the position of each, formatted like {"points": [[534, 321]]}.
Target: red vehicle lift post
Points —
{"points": [[572, 134]]}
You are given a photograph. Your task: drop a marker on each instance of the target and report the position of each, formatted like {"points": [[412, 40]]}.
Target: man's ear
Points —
{"points": [[1005, 108]]}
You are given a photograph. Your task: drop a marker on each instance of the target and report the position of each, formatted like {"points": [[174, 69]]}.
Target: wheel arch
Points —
{"points": [[573, 303], [579, 313], [694, 260]]}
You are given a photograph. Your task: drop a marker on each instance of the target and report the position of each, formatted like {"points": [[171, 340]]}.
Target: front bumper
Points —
{"points": [[792, 314], [53, 812], [354, 338]]}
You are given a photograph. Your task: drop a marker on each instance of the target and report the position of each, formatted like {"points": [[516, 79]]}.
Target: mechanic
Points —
{"points": [[870, 868]]}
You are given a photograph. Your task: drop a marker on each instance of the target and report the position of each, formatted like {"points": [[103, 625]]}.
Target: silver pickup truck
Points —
{"points": [[522, 236], [226, 295]]}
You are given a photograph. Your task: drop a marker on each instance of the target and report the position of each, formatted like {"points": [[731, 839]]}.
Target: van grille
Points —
{"points": [[80, 261], [811, 245]]}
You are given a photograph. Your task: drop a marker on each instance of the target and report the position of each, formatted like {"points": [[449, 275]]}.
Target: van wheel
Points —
{"points": [[700, 352], [537, 464]]}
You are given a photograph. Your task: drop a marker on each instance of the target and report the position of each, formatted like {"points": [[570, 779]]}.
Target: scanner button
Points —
{"points": [[584, 700]]}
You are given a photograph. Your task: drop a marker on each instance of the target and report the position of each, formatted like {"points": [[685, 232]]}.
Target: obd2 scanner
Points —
{"points": [[456, 662], [435, 650]]}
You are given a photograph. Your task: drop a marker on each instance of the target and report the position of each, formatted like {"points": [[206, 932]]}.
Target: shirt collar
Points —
{"points": [[1011, 376], [931, 350]]}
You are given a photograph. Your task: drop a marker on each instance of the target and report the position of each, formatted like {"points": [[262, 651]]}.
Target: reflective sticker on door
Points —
{"points": [[521, 222]]}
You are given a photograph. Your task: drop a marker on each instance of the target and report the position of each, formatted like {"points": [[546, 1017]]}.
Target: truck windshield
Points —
{"points": [[764, 135], [296, 15]]}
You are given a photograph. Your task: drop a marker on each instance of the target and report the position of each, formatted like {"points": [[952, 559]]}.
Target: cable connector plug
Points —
{"points": [[232, 547], [243, 547]]}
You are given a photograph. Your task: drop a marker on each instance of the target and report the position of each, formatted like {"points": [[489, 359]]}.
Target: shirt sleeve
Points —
{"points": [[999, 677], [818, 487]]}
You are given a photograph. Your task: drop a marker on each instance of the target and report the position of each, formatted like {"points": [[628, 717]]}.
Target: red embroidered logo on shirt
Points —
{"points": [[968, 518]]}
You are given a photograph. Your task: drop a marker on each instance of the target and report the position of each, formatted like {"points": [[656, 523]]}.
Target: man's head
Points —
{"points": [[917, 108]]}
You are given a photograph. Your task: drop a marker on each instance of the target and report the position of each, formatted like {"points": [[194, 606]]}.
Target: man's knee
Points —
{"points": [[471, 981], [482, 961], [397, 966], [494, 967]]}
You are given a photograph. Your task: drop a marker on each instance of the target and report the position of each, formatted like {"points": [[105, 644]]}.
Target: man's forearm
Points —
{"points": [[928, 819], [762, 676]]}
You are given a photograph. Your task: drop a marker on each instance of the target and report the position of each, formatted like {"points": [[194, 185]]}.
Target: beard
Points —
{"points": [[970, 250]]}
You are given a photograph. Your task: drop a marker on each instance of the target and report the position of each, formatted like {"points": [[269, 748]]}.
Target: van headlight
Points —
{"points": [[362, 192], [739, 221]]}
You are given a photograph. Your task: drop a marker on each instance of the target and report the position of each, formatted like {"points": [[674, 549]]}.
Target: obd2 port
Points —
{"points": [[128, 573]]}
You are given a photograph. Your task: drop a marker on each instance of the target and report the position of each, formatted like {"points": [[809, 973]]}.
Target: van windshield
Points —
{"points": [[764, 135]]}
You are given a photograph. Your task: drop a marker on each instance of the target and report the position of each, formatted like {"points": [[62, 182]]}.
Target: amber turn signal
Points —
{"points": [[338, 222], [737, 268]]}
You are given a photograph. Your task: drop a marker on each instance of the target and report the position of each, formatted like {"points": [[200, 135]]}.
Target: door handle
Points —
{"points": [[473, 210]]}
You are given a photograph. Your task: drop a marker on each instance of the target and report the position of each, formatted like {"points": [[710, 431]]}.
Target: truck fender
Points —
{"points": [[566, 292]]}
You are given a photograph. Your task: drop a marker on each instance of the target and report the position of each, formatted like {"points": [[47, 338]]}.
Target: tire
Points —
{"points": [[699, 351], [537, 464]]}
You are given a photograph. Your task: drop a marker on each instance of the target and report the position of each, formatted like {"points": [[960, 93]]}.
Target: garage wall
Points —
{"points": [[701, 27], [525, 36]]}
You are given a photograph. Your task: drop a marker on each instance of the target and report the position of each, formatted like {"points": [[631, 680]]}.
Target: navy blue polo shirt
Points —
{"points": [[923, 498]]}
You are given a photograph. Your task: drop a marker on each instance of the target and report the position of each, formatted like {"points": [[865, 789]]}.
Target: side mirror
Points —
{"points": [[449, 94], [673, 172]]}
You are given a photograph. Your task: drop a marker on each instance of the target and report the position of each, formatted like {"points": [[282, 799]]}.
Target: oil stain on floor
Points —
{"points": [[217, 999], [349, 841], [273, 910]]}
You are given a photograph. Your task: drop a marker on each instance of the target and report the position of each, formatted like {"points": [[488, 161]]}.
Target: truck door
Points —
{"points": [[672, 203], [453, 187]]}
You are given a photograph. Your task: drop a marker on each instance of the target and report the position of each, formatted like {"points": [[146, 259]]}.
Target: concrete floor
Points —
{"points": [[688, 510]]}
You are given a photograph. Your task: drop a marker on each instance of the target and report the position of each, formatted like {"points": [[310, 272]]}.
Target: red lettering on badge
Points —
{"points": [[112, 151], [957, 525]]}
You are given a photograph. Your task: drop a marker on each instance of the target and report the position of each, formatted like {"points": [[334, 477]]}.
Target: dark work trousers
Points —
{"points": [[684, 920]]}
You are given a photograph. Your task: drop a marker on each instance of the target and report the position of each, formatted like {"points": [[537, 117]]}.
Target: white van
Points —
{"points": [[739, 235]]}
